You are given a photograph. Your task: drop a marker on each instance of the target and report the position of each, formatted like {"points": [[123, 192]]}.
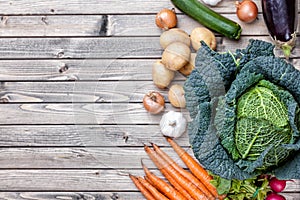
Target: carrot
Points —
{"points": [[156, 194], [177, 186], [142, 188], [147, 179], [162, 186], [183, 172], [194, 167], [192, 189]]}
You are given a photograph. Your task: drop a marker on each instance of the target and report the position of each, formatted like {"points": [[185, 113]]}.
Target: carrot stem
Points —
{"points": [[192, 189], [183, 172], [194, 167], [142, 188]]}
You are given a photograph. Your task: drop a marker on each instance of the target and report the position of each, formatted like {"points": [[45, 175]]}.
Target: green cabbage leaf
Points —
{"points": [[245, 113]]}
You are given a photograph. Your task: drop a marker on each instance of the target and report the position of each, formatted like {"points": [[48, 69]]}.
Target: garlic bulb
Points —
{"points": [[211, 2], [173, 124]]}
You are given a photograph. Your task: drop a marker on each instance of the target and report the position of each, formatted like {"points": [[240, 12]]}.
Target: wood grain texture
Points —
{"points": [[82, 135], [106, 25], [96, 7], [82, 70], [76, 180], [81, 158], [67, 180], [71, 195], [88, 195], [87, 113], [103, 47], [76, 92]]}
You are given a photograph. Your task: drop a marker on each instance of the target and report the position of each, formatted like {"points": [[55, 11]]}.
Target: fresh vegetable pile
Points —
{"points": [[244, 106], [245, 112], [181, 184]]}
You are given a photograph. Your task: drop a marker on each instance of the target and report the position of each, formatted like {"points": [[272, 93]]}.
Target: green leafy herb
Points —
{"points": [[253, 188]]}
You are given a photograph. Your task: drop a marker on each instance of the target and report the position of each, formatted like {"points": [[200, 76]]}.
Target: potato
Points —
{"points": [[176, 55], [188, 68], [174, 35], [161, 75], [176, 96], [201, 33]]}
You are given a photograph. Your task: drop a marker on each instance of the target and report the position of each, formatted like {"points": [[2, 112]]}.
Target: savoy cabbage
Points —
{"points": [[245, 112]]}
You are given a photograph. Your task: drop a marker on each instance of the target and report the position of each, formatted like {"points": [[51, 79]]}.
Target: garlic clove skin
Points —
{"points": [[211, 2], [173, 124]]}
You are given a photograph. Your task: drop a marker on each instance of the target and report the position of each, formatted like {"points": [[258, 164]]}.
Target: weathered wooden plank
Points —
{"points": [[74, 92], [81, 158], [291, 196], [79, 113], [67, 180], [82, 136], [89, 195], [121, 47], [83, 70], [76, 180], [102, 47], [68, 69], [96, 7], [71, 195], [114, 25]]}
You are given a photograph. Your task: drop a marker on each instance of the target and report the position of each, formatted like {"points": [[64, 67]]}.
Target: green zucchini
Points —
{"points": [[209, 18]]}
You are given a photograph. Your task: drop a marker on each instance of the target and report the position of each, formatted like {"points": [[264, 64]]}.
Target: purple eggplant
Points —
{"points": [[281, 19]]}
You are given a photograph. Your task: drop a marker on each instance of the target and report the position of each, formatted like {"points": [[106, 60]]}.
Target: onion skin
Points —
{"points": [[281, 19], [154, 102], [166, 19], [246, 11]]}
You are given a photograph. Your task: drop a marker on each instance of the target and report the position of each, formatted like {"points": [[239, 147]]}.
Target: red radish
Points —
{"points": [[277, 185], [275, 196]]}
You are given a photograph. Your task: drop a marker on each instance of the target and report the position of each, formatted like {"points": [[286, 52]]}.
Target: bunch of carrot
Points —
{"points": [[182, 184]]}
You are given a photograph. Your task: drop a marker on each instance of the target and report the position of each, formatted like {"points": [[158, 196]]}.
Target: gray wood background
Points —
{"points": [[72, 78]]}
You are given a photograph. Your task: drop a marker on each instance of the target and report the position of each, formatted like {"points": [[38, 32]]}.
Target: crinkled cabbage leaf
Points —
{"points": [[245, 113]]}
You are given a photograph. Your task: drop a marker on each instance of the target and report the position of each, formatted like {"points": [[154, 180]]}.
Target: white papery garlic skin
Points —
{"points": [[173, 124], [211, 2]]}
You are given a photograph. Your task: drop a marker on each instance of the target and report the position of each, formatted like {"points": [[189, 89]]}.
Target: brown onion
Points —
{"points": [[166, 19], [154, 102], [246, 10]]}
